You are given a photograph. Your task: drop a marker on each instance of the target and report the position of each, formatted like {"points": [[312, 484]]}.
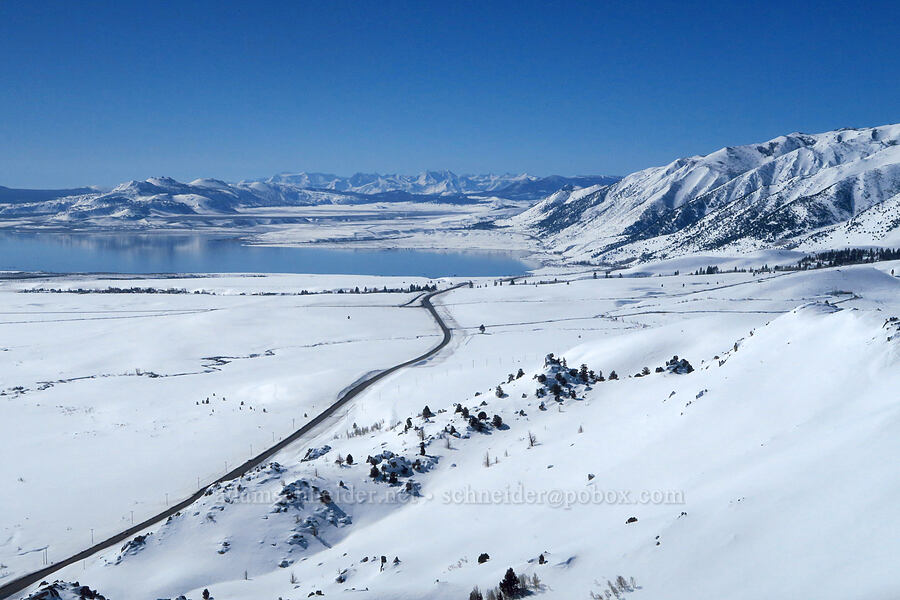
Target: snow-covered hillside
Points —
{"points": [[761, 459], [795, 190]]}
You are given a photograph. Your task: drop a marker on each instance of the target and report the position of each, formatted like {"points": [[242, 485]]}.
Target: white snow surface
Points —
{"points": [[768, 469]]}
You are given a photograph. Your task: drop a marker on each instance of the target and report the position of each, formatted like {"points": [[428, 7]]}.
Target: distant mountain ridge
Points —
{"points": [[439, 183], [12, 195], [799, 190]]}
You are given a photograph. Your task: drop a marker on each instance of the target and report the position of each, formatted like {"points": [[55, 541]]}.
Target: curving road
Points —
{"points": [[17, 585]]}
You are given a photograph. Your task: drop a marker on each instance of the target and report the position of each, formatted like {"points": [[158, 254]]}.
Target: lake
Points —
{"points": [[142, 253]]}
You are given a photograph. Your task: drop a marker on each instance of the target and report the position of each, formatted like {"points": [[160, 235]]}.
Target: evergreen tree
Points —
{"points": [[509, 585]]}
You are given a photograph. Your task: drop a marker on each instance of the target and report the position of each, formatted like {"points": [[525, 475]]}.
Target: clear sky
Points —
{"points": [[102, 92]]}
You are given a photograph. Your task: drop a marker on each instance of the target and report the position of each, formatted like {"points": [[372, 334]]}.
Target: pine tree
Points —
{"points": [[509, 585]]}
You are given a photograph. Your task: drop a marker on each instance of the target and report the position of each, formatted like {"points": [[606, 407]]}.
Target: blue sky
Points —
{"points": [[101, 92]]}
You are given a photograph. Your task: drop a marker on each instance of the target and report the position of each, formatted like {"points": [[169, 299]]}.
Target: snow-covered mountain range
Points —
{"points": [[167, 197], [800, 190], [439, 183]]}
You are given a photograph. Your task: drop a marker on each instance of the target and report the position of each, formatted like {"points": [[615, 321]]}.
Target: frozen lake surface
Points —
{"points": [[196, 253]]}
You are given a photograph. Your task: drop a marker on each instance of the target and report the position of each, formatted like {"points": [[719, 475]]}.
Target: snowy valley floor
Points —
{"points": [[767, 470]]}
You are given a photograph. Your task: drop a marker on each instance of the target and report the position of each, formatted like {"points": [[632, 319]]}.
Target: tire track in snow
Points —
{"points": [[148, 316]]}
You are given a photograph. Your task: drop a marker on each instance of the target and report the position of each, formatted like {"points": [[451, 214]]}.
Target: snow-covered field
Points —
{"points": [[405, 225], [768, 469], [104, 395]]}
